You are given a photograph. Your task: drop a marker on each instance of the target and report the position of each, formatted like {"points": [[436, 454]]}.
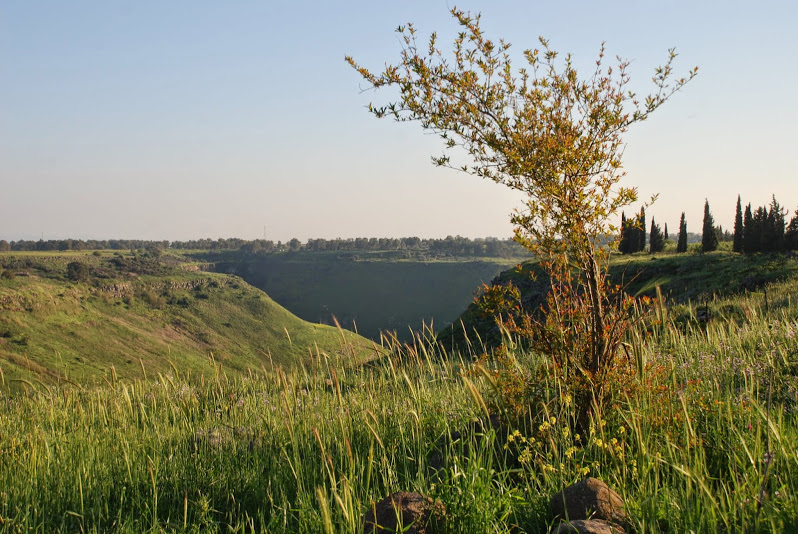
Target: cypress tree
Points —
{"points": [[666, 231], [681, 243], [623, 242], [737, 246], [760, 229], [641, 230], [750, 240], [791, 234], [709, 239], [775, 227], [656, 242]]}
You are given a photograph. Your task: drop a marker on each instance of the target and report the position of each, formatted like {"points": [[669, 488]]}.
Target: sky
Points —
{"points": [[187, 119]]}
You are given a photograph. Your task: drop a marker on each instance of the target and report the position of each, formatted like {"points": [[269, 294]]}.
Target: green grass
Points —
{"points": [[691, 280], [702, 438], [52, 329]]}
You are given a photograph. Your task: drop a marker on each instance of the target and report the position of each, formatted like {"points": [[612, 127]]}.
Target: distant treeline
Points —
{"points": [[764, 229], [449, 246]]}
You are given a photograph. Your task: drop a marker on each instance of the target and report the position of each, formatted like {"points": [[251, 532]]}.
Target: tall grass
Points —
{"points": [[702, 438]]}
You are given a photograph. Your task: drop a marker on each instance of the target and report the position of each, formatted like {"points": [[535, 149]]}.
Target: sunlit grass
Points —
{"points": [[702, 437]]}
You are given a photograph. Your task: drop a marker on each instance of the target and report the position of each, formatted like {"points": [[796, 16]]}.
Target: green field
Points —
{"points": [[372, 293], [142, 316]]}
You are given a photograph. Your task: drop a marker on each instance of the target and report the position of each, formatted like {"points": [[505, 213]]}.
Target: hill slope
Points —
{"points": [[682, 279], [142, 315], [374, 294]]}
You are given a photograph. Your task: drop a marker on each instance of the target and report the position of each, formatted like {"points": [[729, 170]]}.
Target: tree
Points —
{"points": [[709, 239], [773, 239], [641, 230], [681, 243], [553, 135], [4, 246], [737, 245], [750, 238], [666, 231], [791, 234], [77, 271], [656, 241], [623, 241]]}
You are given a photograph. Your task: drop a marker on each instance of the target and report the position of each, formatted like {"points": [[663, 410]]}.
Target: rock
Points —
{"points": [[402, 510], [589, 499], [588, 526]]}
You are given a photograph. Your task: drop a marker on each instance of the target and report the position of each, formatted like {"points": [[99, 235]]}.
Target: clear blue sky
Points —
{"points": [[189, 119]]}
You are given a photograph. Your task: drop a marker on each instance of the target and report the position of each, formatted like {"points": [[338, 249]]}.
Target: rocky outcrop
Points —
{"points": [[590, 499], [588, 526], [410, 513]]}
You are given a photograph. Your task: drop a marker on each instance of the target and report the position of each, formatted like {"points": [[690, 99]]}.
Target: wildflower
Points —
{"points": [[622, 430], [584, 471]]}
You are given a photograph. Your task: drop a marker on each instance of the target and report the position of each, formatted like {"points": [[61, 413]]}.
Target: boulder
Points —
{"points": [[411, 513], [589, 499], [588, 526]]}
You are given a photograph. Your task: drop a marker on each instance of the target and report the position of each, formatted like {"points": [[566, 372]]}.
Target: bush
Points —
{"points": [[152, 299], [77, 271], [7, 275]]}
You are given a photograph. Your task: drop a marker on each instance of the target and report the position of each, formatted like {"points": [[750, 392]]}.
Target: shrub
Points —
{"points": [[77, 271]]}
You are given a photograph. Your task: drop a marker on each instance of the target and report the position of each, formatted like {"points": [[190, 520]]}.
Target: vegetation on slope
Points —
{"points": [[374, 293], [694, 279], [700, 438], [139, 314]]}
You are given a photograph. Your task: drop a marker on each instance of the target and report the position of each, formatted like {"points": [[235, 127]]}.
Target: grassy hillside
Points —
{"points": [[141, 315], [701, 436], [684, 279], [374, 292]]}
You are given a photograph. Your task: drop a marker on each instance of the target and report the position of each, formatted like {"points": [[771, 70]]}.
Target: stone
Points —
{"points": [[589, 498], [410, 513], [587, 526]]}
